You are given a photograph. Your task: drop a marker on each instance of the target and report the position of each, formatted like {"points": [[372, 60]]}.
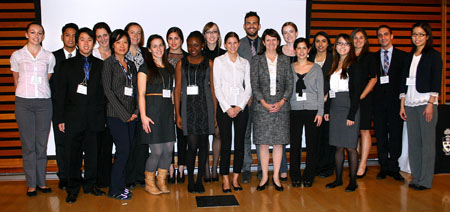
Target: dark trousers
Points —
{"points": [[240, 126], [104, 158], [326, 151], [136, 160], [388, 130], [181, 147], [59, 150], [122, 134], [300, 118], [76, 143]]}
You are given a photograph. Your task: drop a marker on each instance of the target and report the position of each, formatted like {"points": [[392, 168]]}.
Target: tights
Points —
{"points": [[216, 153], [352, 160], [200, 143], [160, 157]]}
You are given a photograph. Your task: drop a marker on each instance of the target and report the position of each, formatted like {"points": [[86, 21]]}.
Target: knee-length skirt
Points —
{"points": [[342, 135]]}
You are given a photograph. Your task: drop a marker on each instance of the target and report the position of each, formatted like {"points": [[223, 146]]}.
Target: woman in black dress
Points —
{"points": [[155, 83], [194, 88]]}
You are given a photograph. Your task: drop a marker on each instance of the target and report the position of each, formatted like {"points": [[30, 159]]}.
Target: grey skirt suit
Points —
{"points": [[271, 128]]}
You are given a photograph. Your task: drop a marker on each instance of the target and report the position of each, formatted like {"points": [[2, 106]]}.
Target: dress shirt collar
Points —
{"points": [[66, 53]]}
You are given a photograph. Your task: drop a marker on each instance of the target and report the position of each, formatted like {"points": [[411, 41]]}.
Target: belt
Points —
{"points": [[153, 94]]}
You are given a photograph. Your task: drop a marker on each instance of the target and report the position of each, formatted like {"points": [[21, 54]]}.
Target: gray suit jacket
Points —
{"points": [[260, 81], [245, 49]]}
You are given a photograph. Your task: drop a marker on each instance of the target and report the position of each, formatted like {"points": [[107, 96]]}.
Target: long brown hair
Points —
{"points": [[348, 61], [365, 48], [152, 68]]}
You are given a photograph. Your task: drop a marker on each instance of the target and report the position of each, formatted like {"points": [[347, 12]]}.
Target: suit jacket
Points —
{"points": [[245, 48], [429, 72], [80, 112], [260, 81], [60, 57], [391, 91], [325, 69]]}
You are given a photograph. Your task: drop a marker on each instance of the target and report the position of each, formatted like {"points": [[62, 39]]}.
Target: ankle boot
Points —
{"points": [[150, 185], [161, 181]]}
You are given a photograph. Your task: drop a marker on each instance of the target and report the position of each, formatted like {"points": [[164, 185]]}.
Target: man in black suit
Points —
{"points": [[80, 114], [387, 122], [69, 50]]}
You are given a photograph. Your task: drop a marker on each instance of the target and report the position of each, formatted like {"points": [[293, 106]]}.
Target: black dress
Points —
{"points": [[214, 53], [159, 109], [368, 69]]}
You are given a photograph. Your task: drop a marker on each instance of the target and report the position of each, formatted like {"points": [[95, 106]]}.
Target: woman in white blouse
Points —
{"points": [[32, 67], [233, 90], [421, 84]]}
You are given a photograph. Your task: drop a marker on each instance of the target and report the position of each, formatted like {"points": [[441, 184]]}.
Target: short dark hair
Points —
{"points": [[427, 28], [384, 26], [231, 35], [69, 26], [301, 40], [196, 34], [101, 25], [34, 23], [314, 49], [87, 31], [117, 35], [272, 33], [251, 14], [176, 30], [127, 27]]}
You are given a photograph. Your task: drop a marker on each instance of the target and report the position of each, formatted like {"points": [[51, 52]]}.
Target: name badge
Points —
{"points": [[166, 93], [332, 94], [128, 91], [36, 80], [82, 89], [192, 90], [302, 97], [234, 90], [410, 81], [384, 79]]}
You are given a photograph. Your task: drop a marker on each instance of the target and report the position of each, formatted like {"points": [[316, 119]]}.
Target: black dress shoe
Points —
{"points": [[278, 188], [333, 184], [283, 179], [31, 193], [381, 175], [199, 188], [397, 176], [191, 188], [296, 183], [95, 191], [71, 198], [412, 185], [215, 179], [207, 179], [228, 190], [363, 175], [351, 187], [261, 188], [62, 184], [420, 188], [44, 190], [237, 188], [180, 179], [171, 180], [307, 184]]}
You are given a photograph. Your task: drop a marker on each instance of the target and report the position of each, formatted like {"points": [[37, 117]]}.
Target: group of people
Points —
{"points": [[151, 97]]}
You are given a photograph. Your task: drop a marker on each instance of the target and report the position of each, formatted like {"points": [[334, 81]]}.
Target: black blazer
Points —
{"points": [[429, 72], [60, 57], [80, 112], [325, 69], [391, 91]]}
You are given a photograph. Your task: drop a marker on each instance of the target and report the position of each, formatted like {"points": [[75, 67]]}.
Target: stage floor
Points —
{"points": [[372, 195]]}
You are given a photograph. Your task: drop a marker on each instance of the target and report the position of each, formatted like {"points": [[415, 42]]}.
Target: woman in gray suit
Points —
{"points": [[272, 84]]}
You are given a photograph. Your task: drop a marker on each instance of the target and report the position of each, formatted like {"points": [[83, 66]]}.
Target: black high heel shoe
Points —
{"points": [[226, 190], [333, 184], [363, 175], [180, 179], [261, 188], [237, 188], [171, 180], [351, 187], [278, 188]]}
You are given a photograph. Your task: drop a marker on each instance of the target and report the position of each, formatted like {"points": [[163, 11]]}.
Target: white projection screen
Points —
{"points": [[156, 16]]}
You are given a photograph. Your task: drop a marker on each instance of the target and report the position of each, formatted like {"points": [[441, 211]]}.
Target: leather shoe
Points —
{"points": [[228, 190], [307, 184], [261, 188], [363, 175], [296, 183], [351, 187], [199, 188], [62, 184], [381, 175], [44, 190], [180, 178], [95, 191], [412, 185], [246, 177], [71, 198], [31, 193], [397, 176], [283, 179], [237, 188], [420, 188], [278, 188], [333, 184], [215, 179]]}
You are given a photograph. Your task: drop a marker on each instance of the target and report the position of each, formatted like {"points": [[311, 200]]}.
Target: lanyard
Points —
{"points": [[162, 78], [195, 74], [128, 74]]}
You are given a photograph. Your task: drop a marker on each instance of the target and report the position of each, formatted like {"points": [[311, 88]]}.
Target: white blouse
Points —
{"points": [[320, 63], [413, 97], [337, 84], [273, 75], [231, 82], [33, 73]]}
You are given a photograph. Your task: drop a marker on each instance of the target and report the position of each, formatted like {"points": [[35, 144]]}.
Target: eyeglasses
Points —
{"points": [[211, 32], [342, 44], [420, 35]]}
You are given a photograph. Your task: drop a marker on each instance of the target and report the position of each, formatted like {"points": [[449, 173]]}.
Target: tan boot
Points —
{"points": [[161, 180], [150, 185]]}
